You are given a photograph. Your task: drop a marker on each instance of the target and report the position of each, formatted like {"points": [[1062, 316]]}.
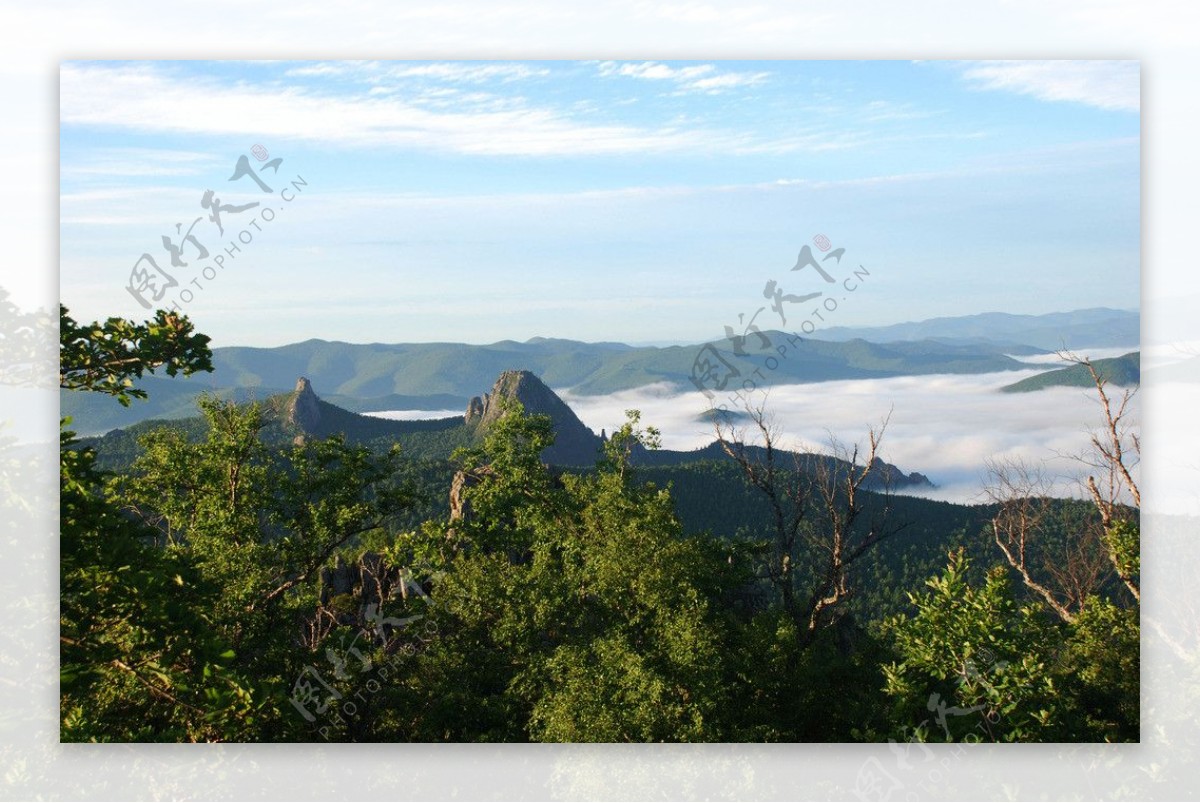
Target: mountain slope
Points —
{"points": [[371, 377], [301, 414], [1124, 371], [574, 444], [439, 376], [1095, 328]]}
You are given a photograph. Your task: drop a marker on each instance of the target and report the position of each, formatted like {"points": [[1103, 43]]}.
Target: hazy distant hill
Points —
{"points": [[1098, 327], [1123, 371], [303, 414], [434, 376], [438, 376]]}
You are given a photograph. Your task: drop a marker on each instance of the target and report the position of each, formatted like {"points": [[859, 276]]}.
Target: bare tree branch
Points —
{"points": [[1021, 492], [1115, 451], [829, 483]]}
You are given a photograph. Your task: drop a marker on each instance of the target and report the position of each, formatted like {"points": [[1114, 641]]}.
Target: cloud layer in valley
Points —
{"points": [[944, 426]]}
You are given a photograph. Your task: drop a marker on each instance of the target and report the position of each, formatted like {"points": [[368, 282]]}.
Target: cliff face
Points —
{"points": [[574, 443], [304, 411]]}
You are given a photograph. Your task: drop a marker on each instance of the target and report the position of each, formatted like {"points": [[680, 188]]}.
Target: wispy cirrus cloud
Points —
{"points": [[1109, 85], [152, 99], [693, 78], [166, 99]]}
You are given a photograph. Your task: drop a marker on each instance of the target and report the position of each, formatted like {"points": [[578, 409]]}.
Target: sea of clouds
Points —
{"points": [[946, 426], [414, 415]]}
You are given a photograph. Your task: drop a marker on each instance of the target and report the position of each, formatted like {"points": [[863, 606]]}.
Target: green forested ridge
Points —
{"points": [[242, 577], [376, 376], [1124, 371], [428, 439]]}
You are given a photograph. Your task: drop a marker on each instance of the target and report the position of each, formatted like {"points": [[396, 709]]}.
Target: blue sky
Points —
{"points": [[596, 200]]}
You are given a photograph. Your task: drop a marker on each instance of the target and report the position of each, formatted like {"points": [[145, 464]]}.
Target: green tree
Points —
{"points": [[974, 664], [572, 608], [1099, 675], [107, 357], [138, 658], [258, 524]]}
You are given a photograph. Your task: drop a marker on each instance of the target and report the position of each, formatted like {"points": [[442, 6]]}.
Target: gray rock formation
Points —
{"points": [[460, 508], [368, 582], [364, 594], [474, 411], [304, 411], [574, 443]]}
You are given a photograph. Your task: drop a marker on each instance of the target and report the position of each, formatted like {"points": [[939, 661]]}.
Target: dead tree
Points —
{"points": [[840, 540], [1116, 450], [1025, 511], [787, 495], [1020, 528], [824, 486]]}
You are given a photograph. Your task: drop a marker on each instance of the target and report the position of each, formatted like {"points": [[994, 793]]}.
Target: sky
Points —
{"points": [[637, 201]]}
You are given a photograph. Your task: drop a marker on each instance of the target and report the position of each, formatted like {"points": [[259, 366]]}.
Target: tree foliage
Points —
{"points": [[107, 357], [230, 583], [972, 660], [138, 659]]}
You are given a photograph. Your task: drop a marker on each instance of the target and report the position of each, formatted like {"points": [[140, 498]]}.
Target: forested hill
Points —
{"points": [[1123, 371], [372, 371], [303, 414], [437, 375], [441, 376], [709, 492], [206, 583]]}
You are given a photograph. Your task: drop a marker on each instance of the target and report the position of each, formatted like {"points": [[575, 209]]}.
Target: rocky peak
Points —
{"points": [[574, 443], [304, 410]]}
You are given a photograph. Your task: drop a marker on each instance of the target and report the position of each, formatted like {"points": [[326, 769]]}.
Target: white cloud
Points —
{"points": [[146, 205], [879, 111], [441, 106], [147, 98], [1054, 361], [694, 78], [944, 426], [1110, 85], [414, 415]]}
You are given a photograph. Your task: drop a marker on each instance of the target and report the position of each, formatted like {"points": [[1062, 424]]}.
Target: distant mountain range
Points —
{"points": [[439, 376], [1099, 327], [290, 417]]}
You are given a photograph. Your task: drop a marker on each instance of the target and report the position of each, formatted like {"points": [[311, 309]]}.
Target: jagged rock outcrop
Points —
{"points": [[460, 508], [474, 411], [304, 410], [363, 594], [369, 582], [884, 476], [574, 443]]}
